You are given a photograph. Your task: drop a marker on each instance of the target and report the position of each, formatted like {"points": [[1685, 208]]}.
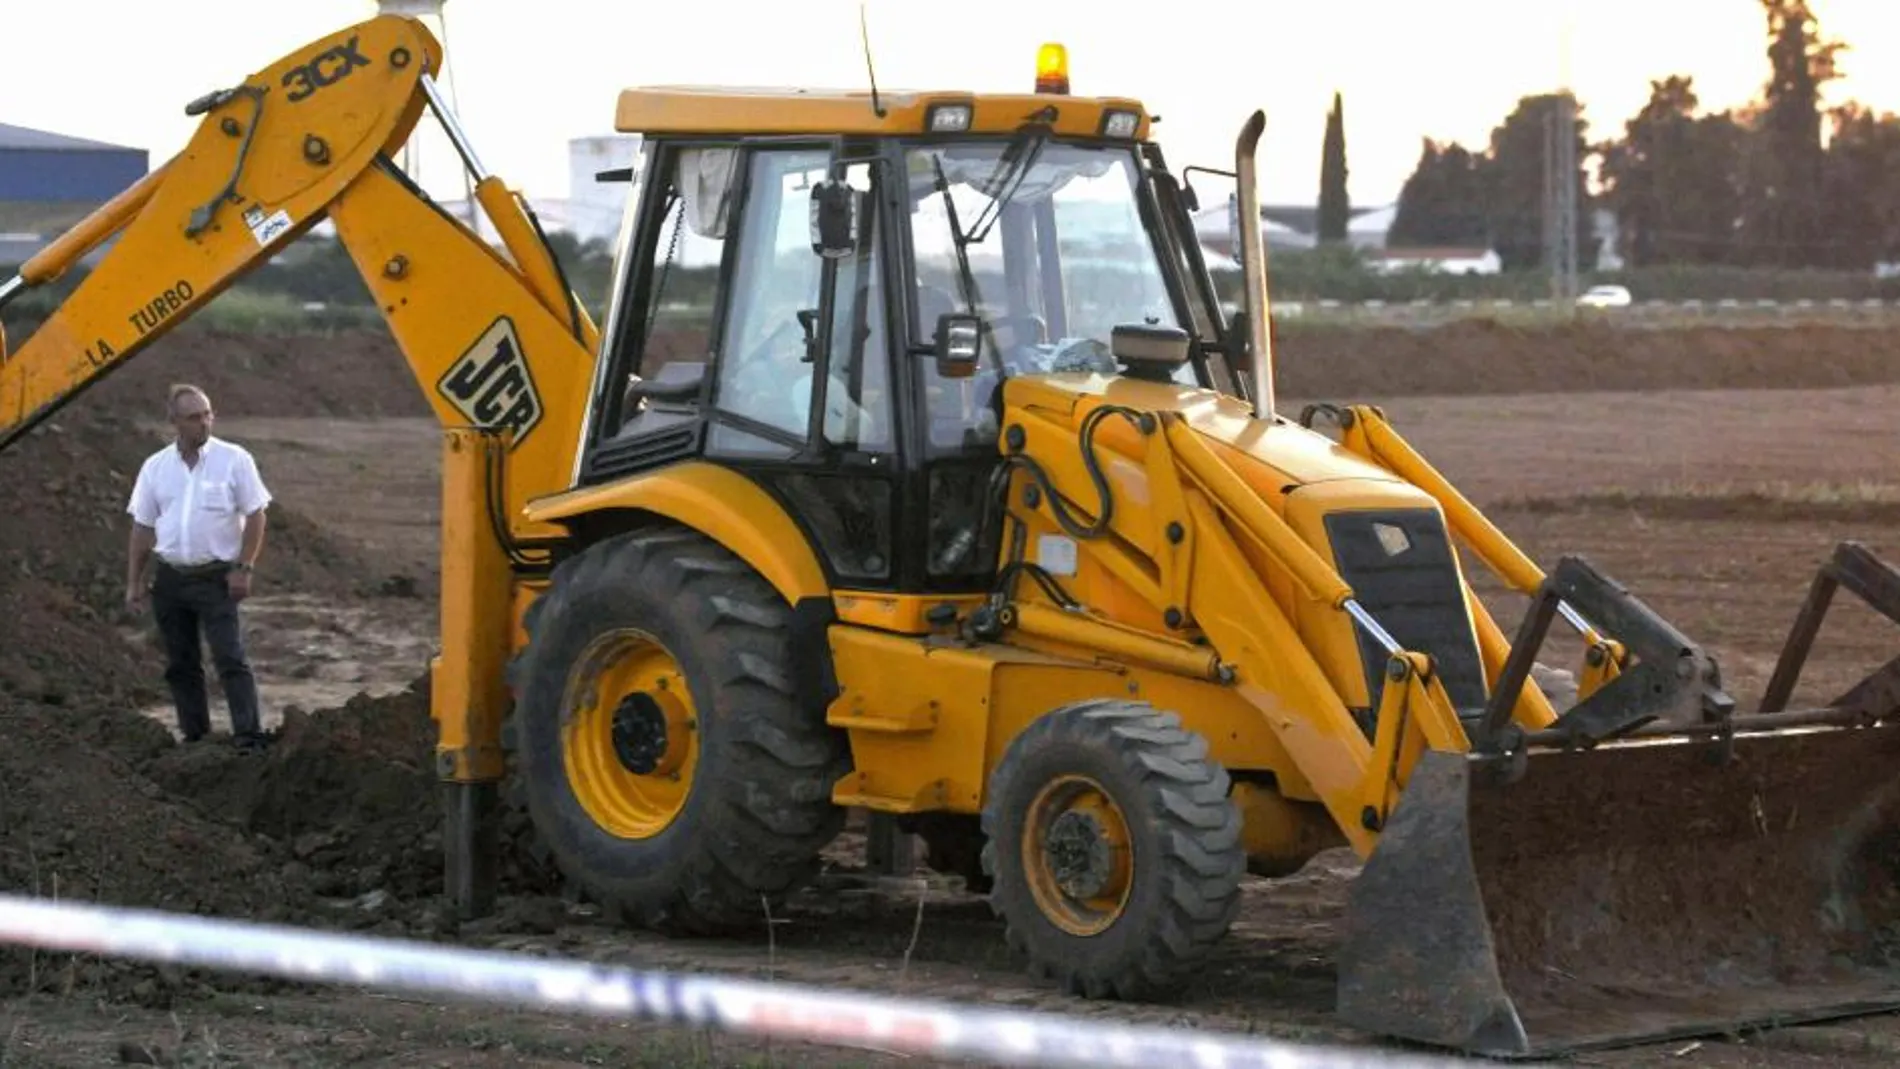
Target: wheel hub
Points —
{"points": [[630, 740], [1077, 855], [1080, 857], [639, 733]]}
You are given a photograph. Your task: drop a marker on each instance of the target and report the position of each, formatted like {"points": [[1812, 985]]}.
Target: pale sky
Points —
{"points": [[530, 75]]}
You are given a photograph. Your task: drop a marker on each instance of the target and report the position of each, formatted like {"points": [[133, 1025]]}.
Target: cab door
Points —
{"points": [[802, 398], [787, 379]]}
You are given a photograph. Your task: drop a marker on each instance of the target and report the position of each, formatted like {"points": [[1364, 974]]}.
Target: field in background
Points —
{"points": [[1727, 312]]}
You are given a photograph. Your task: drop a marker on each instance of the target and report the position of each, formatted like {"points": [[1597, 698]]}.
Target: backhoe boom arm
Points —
{"points": [[498, 345], [495, 341]]}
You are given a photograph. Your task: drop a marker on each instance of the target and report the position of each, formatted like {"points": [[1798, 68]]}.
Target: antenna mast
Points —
{"points": [[411, 162], [1560, 178], [864, 33]]}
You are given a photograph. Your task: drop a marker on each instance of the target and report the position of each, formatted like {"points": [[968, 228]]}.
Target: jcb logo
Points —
{"points": [[330, 67], [490, 384]]}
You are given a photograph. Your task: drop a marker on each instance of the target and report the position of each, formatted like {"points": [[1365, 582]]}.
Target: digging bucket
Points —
{"points": [[1637, 891]]}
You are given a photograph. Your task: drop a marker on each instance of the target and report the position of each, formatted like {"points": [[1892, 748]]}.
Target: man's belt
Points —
{"points": [[196, 571]]}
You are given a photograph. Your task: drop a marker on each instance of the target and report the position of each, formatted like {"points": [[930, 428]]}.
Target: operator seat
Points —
{"points": [[672, 392]]}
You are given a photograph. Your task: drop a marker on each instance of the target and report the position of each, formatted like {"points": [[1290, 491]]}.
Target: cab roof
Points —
{"points": [[723, 110]]}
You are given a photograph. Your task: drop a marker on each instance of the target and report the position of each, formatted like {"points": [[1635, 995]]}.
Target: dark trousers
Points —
{"points": [[186, 602]]}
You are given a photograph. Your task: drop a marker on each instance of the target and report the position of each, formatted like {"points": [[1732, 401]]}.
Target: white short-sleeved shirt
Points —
{"points": [[198, 513]]}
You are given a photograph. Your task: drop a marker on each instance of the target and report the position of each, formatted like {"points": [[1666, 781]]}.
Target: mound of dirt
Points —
{"points": [[81, 823], [62, 540], [62, 563], [1484, 357], [337, 825], [358, 374], [353, 793]]}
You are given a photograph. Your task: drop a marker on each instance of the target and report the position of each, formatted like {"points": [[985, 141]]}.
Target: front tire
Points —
{"points": [[667, 763], [1115, 851]]}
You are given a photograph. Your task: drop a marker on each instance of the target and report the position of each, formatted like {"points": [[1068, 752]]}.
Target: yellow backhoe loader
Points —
{"points": [[958, 499]]}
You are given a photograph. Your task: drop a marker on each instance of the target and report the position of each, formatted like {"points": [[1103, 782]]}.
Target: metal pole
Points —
{"points": [[1253, 259], [454, 129], [1560, 173], [1566, 191], [1379, 634], [1574, 618]]}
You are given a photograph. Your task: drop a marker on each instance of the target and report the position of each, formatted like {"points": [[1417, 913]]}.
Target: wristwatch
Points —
{"points": [[242, 567]]}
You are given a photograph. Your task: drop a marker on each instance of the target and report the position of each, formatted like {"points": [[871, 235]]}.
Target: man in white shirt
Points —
{"points": [[198, 515]]}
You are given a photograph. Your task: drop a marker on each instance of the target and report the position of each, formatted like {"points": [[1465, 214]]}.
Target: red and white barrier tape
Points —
{"points": [[777, 1011]]}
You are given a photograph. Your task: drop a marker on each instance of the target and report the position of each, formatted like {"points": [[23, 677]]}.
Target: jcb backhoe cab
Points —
{"points": [[915, 468]]}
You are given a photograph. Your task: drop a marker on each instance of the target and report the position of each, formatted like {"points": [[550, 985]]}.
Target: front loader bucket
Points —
{"points": [[1635, 892]]}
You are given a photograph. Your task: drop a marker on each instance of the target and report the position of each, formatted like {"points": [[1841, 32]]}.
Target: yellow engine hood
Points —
{"points": [[1274, 457]]}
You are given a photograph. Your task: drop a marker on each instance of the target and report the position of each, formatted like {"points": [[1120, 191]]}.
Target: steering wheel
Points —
{"points": [[755, 388], [1026, 331]]}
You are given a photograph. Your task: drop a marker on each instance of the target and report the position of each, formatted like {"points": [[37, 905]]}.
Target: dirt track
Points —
{"points": [[1715, 503]]}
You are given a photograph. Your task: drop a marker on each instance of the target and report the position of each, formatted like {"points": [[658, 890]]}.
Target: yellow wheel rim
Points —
{"points": [[1076, 855], [631, 739]]}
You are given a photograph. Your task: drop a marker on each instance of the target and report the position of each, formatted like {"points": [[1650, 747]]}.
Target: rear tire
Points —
{"points": [[1115, 850], [687, 783]]}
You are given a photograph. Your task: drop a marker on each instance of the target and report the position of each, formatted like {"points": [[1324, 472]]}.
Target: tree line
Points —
{"points": [[1779, 182]]}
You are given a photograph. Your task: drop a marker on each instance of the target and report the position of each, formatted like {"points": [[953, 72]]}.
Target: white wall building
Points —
{"points": [[1367, 230], [592, 209], [1445, 261]]}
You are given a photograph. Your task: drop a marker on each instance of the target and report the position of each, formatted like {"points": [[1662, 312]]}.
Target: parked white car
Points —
{"points": [[1605, 297]]}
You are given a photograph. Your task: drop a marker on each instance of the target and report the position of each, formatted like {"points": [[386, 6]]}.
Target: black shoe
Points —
{"points": [[250, 743]]}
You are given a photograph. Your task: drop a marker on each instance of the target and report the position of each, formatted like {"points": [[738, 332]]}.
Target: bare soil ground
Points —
{"points": [[1714, 501]]}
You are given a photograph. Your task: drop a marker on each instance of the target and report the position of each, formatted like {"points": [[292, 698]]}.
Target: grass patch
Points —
{"points": [[255, 312], [1859, 500]]}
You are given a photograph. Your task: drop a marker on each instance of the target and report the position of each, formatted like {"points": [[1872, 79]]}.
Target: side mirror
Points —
{"points": [[1237, 336], [837, 213], [808, 322], [959, 344], [1149, 352]]}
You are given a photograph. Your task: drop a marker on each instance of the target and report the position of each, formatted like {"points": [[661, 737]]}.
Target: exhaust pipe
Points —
{"points": [[1253, 261]]}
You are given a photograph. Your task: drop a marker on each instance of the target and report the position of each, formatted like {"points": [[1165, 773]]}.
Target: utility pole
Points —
{"points": [[411, 157], [1560, 175], [1560, 197]]}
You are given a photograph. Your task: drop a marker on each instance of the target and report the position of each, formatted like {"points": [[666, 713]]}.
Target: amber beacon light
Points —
{"points": [[1052, 69]]}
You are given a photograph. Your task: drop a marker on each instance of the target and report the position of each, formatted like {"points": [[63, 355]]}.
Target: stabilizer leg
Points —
{"points": [[470, 843], [468, 691], [888, 849]]}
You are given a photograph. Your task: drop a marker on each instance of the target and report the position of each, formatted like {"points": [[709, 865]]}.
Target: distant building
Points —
{"points": [[592, 210], [1215, 229], [1365, 226], [595, 207], [1368, 229], [1608, 257], [50, 181], [1448, 261], [1286, 227]]}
